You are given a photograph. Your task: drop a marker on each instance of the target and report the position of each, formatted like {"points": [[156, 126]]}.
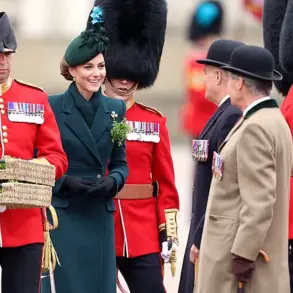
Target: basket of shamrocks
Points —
{"points": [[25, 184]]}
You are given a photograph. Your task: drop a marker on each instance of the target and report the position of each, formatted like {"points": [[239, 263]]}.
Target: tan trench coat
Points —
{"points": [[248, 208]]}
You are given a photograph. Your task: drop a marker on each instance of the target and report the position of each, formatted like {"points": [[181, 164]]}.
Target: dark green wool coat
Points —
{"points": [[84, 240]]}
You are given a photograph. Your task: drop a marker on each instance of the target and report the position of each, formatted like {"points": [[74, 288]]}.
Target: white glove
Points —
{"points": [[2, 209], [166, 253]]}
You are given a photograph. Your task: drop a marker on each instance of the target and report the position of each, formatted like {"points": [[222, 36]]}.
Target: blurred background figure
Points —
{"points": [[206, 25], [255, 8]]}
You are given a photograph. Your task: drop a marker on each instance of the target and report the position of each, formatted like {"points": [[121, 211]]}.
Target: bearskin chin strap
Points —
{"points": [[121, 93], [4, 87], [49, 258]]}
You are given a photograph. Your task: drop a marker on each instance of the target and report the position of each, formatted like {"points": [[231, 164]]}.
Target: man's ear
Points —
{"points": [[219, 77], [240, 83]]}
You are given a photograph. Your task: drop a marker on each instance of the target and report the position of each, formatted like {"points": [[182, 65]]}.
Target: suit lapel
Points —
{"points": [[265, 104], [214, 118], [237, 125], [101, 121], [77, 124]]}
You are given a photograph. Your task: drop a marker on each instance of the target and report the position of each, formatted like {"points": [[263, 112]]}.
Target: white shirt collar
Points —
{"points": [[254, 104], [224, 100]]}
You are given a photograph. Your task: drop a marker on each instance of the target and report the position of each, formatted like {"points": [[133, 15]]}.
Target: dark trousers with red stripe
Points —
{"points": [[143, 274], [21, 268]]}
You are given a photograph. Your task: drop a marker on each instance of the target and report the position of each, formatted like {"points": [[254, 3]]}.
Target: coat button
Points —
{"points": [[1, 100], [4, 127], [99, 176], [4, 134], [1, 106], [5, 140], [2, 112]]}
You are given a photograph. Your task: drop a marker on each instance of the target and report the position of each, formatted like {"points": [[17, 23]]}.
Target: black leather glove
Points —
{"points": [[242, 268], [75, 186], [105, 187]]}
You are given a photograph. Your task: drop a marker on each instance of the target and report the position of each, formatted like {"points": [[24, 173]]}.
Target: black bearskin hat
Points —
{"points": [[278, 39], [206, 20], [136, 29], [286, 39], [7, 37]]}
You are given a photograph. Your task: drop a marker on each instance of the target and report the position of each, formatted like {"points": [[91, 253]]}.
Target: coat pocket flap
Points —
{"points": [[221, 218], [58, 202]]}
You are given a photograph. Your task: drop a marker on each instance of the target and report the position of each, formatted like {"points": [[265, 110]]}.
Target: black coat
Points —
{"points": [[215, 131]]}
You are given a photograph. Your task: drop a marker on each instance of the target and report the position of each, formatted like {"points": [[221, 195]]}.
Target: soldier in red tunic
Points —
{"points": [[26, 123], [278, 39], [147, 206]]}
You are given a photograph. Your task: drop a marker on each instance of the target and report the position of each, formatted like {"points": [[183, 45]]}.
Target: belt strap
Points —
{"points": [[135, 191]]}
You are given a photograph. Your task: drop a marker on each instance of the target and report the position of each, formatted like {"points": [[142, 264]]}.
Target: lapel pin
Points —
{"points": [[114, 114]]}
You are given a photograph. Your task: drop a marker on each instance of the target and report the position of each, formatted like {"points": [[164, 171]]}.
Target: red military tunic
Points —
{"points": [[197, 110], [287, 111], [25, 226], [136, 226]]}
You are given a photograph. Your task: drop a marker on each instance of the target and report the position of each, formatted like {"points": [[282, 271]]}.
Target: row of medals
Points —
{"points": [[144, 131], [200, 150], [26, 112]]}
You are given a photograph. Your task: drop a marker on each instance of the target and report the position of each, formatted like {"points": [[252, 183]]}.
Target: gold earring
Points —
{"points": [[74, 79]]}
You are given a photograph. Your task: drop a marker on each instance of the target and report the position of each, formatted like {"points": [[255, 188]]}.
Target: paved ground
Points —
{"points": [[184, 173]]}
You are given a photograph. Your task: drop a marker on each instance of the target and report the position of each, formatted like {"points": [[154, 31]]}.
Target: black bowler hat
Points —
{"points": [[219, 52], [7, 37], [254, 62]]}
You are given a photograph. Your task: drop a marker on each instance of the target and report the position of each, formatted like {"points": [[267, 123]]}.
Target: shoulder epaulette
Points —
{"points": [[28, 84], [151, 109]]}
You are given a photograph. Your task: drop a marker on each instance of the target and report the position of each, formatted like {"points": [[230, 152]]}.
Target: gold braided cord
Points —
{"points": [[50, 257]]}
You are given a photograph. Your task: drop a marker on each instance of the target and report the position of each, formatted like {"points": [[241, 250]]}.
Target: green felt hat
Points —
{"points": [[89, 43]]}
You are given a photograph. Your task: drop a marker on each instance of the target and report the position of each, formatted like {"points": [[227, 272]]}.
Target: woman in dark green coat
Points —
{"points": [[93, 133]]}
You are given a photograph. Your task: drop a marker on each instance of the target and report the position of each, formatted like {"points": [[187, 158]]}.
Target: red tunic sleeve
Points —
{"points": [[287, 111], [163, 172], [48, 141]]}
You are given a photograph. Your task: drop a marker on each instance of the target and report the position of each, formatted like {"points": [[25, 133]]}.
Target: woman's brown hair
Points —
{"points": [[64, 70]]}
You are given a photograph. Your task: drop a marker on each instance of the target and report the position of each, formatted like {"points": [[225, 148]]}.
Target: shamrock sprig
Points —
{"points": [[119, 130]]}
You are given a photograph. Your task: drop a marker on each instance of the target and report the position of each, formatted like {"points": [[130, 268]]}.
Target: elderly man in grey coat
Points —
{"points": [[248, 204]]}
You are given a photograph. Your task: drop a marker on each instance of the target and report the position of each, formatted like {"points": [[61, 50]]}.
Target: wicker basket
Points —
{"points": [[24, 195], [27, 171]]}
